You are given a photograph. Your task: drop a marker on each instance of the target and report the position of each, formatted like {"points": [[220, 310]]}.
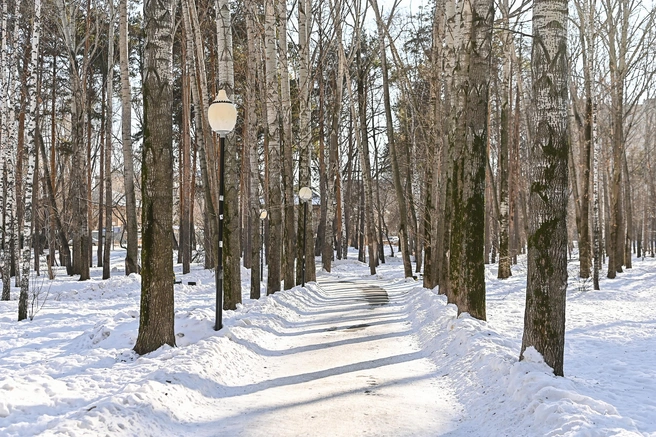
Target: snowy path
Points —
{"points": [[347, 368]]}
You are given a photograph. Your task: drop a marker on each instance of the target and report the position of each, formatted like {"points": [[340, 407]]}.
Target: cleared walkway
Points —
{"points": [[347, 368]]}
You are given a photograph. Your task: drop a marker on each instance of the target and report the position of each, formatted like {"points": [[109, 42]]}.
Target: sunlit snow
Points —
{"points": [[351, 355]]}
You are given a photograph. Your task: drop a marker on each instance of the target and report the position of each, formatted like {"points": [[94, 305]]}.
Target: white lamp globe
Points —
{"points": [[305, 194], [222, 114]]}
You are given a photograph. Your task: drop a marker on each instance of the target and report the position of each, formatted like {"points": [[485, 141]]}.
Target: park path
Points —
{"points": [[349, 367]]}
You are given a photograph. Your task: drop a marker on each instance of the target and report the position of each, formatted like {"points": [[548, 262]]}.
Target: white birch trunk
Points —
{"points": [[131, 262], [596, 228], [109, 229], [5, 153], [546, 288], [31, 157], [13, 103]]}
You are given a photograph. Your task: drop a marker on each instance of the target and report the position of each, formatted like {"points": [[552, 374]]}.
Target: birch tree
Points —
{"points": [[467, 155], [396, 174], [109, 135], [131, 262], [274, 253], [544, 320], [287, 146], [305, 136], [506, 99], [251, 145], [5, 153], [31, 86]]}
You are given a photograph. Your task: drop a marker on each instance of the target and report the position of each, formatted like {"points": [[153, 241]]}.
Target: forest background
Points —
{"points": [[472, 131]]}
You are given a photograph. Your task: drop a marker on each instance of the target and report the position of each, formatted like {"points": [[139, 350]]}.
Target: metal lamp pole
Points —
{"points": [[222, 116], [304, 195]]}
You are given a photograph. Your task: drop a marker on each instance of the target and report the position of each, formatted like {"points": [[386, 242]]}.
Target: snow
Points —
{"points": [[331, 359]]}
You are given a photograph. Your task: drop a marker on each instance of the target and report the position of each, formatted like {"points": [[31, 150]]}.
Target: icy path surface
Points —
{"points": [[347, 367]]}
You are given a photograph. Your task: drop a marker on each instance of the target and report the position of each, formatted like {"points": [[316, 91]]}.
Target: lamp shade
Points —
{"points": [[222, 114], [263, 214], [305, 194]]}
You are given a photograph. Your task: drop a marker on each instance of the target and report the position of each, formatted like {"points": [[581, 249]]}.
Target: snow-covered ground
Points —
{"points": [[323, 361]]}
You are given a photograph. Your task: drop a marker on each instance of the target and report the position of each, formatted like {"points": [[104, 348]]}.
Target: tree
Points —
{"points": [[231, 231], [251, 147], [68, 14], [156, 319], [274, 253], [131, 262], [396, 173], [544, 320], [109, 230], [504, 206], [464, 203], [287, 146], [305, 137], [31, 155]]}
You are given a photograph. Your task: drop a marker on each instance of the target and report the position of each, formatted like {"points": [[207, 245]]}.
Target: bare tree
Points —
{"points": [[131, 262], [231, 235], [544, 320], [274, 253], [31, 86], [396, 173], [305, 136], [109, 229], [156, 317]]}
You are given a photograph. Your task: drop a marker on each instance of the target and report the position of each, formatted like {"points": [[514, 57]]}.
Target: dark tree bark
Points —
{"points": [[156, 319]]}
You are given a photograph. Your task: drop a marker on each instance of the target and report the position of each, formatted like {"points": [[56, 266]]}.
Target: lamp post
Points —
{"points": [[304, 195], [263, 216], [222, 116]]}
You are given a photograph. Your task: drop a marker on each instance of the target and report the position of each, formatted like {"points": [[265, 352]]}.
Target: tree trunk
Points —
{"points": [[251, 144], [31, 86], [101, 178], [156, 317], [231, 206], [506, 103], [544, 320], [396, 174], [287, 144], [274, 255], [131, 261], [628, 210], [186, 199], [305, 239], [207, 150], [365, 161], [109, 229]]}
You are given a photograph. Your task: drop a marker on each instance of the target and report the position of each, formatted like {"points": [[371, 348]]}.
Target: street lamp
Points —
{"points": [[263, 216], [304, 195], [222, 116]]}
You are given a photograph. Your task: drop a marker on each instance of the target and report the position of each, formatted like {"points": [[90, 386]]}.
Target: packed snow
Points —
{"points": [[349, 355]]}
